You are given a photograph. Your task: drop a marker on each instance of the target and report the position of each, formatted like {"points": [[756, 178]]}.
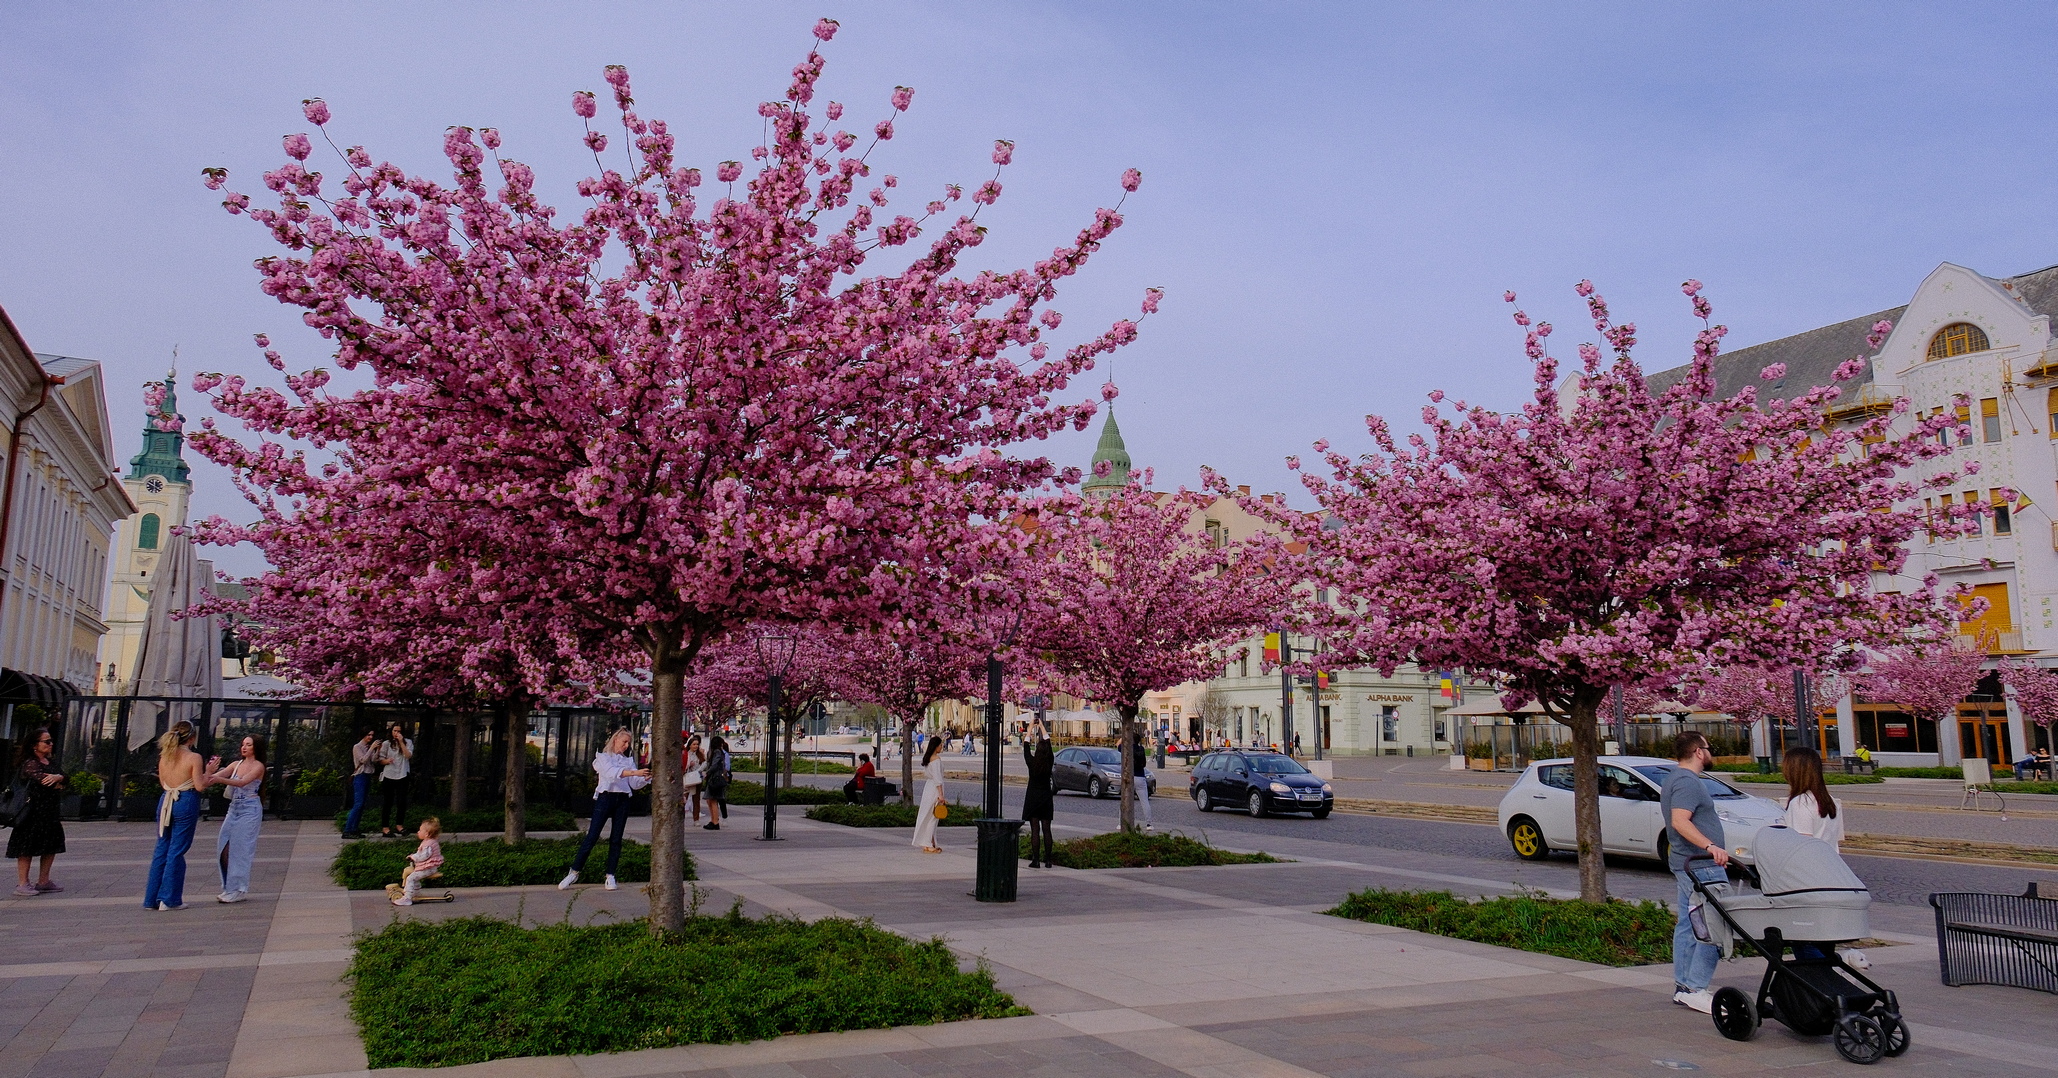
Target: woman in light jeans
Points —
{"points": [[235, 846]]}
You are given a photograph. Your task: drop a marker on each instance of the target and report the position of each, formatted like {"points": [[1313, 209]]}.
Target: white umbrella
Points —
{"points": [[180, 656]]}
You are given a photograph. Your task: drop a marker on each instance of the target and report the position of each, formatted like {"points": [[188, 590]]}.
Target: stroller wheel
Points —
{"points": [[1860, 1039], [1896, 1032], [1736, 1017]]}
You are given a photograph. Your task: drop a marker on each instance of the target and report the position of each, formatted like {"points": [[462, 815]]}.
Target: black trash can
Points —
{"points": [[999, 860]]}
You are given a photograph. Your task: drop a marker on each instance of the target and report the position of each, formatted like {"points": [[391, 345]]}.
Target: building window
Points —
{"points": [[2051, 409], [1990, 419], [1957, 339], [1886, 728], [1389, 723], [2004, 521], [1964, 424], [146, 532]]}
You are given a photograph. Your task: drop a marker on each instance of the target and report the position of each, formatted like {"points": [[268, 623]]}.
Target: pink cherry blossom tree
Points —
{"points": [[679, 412], [1927, 679], [1138, 600], [1608, 535], [1751, 694], [2036, 692], [906, 666]]}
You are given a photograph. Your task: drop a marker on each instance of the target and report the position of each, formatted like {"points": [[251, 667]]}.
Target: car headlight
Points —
{"points": [[1281, 788], [1326, 788]]}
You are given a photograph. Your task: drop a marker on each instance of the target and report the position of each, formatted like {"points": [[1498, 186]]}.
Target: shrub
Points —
{"points": [[468, 990], [2008, 787], [1135, 849], [141, 786], [1832, 778], [1612, 933], [742, 792], [801, 766], [494, 818], [83, 783], [365, 866], [318, 782], [1479, 750], [1918, 772], [893, 814]]}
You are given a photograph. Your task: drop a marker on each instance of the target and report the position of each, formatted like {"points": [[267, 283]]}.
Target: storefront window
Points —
{"points": [[1885, 728]]}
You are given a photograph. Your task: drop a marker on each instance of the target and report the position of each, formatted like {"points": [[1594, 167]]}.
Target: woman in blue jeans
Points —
{"points": [[617, 776], [178, 813]]}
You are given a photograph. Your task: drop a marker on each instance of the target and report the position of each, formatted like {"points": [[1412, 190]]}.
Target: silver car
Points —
{"points": [[1536, 814]]}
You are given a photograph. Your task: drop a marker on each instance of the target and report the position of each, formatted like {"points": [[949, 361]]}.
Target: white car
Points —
{"points": [[1536, 814]]}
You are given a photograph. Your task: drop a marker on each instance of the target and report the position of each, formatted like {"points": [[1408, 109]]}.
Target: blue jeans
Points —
{"points": [[360, 791], [606, 807], [1693, 962], [167, 882]]}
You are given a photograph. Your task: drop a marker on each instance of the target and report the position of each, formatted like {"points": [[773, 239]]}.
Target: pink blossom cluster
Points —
{"points": [[1927, 679]]}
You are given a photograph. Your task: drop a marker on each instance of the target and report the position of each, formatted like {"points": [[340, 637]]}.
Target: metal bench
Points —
{"points": [[2009, 940]]}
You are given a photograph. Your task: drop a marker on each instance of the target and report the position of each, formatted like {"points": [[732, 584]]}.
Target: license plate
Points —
{"points": [[1311, 795]]}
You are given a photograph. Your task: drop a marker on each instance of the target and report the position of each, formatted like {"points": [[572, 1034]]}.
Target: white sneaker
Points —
{"points": [[1856, 959], [571, 878], [1702, 1001], [236, 896], [612, 885]]}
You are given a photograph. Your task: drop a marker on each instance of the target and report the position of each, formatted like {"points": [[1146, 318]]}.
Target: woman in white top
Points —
{"points": [[932, 797], [396, 755], [617, 777], [692, 770], [1812, 812]]}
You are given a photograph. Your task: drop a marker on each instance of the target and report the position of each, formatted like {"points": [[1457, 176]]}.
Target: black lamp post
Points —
{"points": [[999, 839], [774, 653], [1285, 691]]}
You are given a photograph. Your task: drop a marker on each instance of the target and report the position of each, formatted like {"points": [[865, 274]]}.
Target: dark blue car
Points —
{"points": [[1260, 783]]}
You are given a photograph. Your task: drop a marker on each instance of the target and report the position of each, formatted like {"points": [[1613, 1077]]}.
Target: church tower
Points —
{"points": [[1115, 454], [161, 485]]}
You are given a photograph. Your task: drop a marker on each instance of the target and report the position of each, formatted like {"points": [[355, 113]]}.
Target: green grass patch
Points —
{"points": [[1918, 772], [893, 814], [801, 766], [364, 866], [1830, 778], [742, 792], [468, 990], [2027, 787], [1614, 933], [539, 817], [1136, 849]]}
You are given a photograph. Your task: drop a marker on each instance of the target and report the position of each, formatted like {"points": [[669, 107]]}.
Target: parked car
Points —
{"points": [[1536, 814], [1096, 772], [1261, 783]]}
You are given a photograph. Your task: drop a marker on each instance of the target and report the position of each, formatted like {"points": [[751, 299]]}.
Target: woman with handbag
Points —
{"points": [[38, 825], [692, 762], [715, 778], [235, 846], [927, 812]]}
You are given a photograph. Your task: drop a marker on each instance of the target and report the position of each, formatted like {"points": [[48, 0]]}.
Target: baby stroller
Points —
{"points": [[1798, 893]]}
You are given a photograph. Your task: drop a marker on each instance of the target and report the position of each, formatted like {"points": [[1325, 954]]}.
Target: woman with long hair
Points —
{"points": [[617, 776], [692, 772], [178, 814], [1037, 806], [932, 797], [236, 844], [1812, 812], [38, 823], [397, 756], [715, 779]]}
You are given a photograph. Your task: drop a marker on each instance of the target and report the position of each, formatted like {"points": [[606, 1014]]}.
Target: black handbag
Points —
{"points": [[13, 801]]}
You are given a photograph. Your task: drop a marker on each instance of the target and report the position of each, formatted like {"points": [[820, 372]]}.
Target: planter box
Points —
{"points": [[1736, 759], [1478, 765]]}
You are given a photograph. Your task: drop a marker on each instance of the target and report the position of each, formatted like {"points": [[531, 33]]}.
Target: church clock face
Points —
{"points": [[154, 485]]}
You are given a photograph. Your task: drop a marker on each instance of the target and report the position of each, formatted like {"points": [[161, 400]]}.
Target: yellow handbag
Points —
{"points": [[942, 811]]}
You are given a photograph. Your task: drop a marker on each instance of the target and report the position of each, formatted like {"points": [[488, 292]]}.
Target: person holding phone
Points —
{"points": [[1038, 808], [364, 767], [617, 778], [397, 756]]}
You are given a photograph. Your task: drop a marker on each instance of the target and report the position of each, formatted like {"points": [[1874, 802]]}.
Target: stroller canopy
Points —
{"points": [[1791, 863]]}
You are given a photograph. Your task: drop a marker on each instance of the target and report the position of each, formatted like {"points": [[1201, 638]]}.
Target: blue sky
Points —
{"points": [[1335, 195]]}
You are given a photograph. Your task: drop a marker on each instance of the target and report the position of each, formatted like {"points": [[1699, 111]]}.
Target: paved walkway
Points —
{"points": [[1202, 972]]}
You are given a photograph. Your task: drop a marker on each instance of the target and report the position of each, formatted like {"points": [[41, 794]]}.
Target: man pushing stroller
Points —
{"points": [[1692, 829]]}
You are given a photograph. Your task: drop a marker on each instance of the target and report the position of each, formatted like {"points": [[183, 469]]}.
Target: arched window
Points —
{"points": [[146, 532], [1957, 339]]}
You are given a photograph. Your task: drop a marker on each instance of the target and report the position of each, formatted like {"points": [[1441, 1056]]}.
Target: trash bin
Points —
{"points": [[999, 860], [1765, 765]]}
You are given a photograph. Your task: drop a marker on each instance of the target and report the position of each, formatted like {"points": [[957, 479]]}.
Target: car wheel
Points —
{"points": [[1321, 813], [1528, 840], [1201, 802], [1664, 849], [1095, 790], [1256, 804]]}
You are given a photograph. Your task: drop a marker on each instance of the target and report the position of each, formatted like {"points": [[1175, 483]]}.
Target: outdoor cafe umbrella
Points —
{"points": [[180, 657]]}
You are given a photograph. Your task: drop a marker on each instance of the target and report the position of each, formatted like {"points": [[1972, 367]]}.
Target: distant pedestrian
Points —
{"points": [[235, 845], [364, 767], [1296, 743], [1692, 829], [427, 860], [617, 776], [932, 798], [396, 755], [38, 817], [178, 814], [692, 772], [1037, 808], [1139, 761], [716, 782]]}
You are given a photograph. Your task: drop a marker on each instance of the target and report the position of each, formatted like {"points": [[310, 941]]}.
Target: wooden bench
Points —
{"points": [[2007, 940]]}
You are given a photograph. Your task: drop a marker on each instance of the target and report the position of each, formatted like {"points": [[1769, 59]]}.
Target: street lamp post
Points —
{"points": [[999, 838], [775, 654], [1285, 691]]}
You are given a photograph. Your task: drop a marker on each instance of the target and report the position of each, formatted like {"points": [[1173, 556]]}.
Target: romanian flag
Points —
{"points": [[1271, 647], [1321, 679], [1450, 688]]}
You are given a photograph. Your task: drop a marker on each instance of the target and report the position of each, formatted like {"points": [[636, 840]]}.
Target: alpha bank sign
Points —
{"points": [[1389, 698]]}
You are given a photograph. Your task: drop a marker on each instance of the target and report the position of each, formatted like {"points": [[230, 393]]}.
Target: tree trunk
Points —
{"points": [[514, 776], [667, 813], [1586, 792], [1128, 751], [461, 764], [907, 760]]}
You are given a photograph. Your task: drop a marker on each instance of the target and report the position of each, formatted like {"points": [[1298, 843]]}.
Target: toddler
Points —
{"points": [[423, 863]]}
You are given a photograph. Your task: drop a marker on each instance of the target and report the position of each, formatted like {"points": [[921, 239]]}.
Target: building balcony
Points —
{"points": [[2005, 641], [1870, 400]]}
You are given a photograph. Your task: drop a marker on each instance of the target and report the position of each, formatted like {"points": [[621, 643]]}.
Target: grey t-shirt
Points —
{"points": [[1685, 790]]}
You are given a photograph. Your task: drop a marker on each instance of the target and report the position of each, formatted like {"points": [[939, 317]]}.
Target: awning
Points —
{"points": [[19, 688]]}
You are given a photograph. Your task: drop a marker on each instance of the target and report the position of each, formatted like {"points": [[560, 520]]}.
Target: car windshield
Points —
{"points": [[1276, 765], [1717, 788], [1104, 756]]}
